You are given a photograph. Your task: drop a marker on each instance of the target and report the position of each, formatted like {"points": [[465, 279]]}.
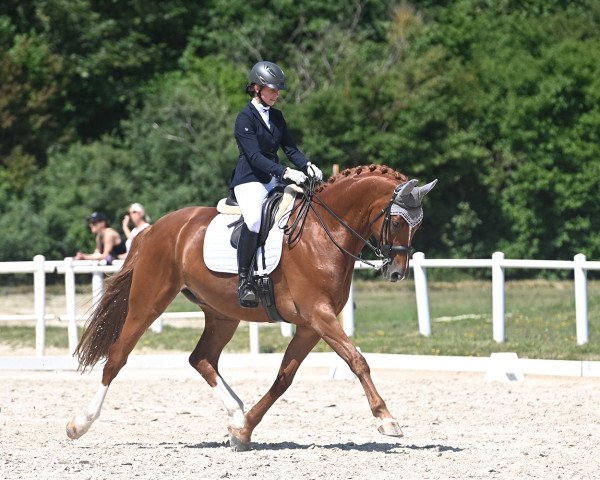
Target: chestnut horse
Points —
{"points": [[311, 286]]}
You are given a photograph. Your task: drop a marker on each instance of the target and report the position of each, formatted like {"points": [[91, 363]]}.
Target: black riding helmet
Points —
{"points": [[267, 74]]}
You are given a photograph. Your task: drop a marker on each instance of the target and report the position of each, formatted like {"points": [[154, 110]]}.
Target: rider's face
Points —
{"points": [[269, 95]]}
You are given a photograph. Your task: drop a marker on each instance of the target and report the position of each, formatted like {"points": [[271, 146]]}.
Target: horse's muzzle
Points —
{"points": [[394, 272]]}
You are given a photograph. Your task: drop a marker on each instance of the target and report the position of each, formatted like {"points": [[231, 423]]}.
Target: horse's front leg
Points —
{"points": [[332, 332], [302, 343]]}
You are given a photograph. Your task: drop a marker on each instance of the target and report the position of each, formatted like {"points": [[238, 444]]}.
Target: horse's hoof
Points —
{"points": [[235, 441], [77, 426], [72, 432], [389, 427], [237, 445]]}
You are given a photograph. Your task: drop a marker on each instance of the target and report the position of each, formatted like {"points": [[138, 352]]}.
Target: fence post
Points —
{"points": [[97, 287], [347, 313], [39, 301], [287, 329], [254, 343], [157, 325], [422, 294], [498, 311], [581, 313], [71, 304]]}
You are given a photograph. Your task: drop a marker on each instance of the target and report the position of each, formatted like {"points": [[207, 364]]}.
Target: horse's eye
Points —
{"points": [[396, 224]]}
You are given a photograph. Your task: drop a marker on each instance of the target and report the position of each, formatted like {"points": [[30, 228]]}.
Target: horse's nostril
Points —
{"points": [[394, 277]]}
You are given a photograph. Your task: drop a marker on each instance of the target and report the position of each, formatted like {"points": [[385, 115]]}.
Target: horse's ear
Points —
{"points": [[407, 188], [425, 189]]}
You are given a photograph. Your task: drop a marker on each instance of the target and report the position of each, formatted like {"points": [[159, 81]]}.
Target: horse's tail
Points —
{"points": [[106, 322]]}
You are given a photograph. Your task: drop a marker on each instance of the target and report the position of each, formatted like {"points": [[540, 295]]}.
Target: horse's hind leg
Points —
{"points": [[302, 343], [145, 305], [205, 358]]}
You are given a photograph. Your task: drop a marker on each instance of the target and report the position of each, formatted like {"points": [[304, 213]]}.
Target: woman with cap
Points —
{"points": [[136, 214], [108, 241], [260, 131]]}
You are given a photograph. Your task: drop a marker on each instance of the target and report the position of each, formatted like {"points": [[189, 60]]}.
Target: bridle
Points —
{"points": [[383, 250]]}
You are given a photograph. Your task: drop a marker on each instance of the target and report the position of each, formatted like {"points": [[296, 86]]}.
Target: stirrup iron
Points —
{"points": [[247, 293]]}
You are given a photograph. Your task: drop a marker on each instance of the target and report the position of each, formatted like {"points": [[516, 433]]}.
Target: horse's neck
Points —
{"points": [[353, 202]]}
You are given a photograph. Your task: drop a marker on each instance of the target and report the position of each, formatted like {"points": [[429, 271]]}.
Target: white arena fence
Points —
{"points": [[68, 267]]}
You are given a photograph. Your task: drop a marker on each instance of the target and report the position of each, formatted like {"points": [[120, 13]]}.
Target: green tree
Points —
{"points": [[102, 51], [29, 86], [497, 99], [182, 138]]}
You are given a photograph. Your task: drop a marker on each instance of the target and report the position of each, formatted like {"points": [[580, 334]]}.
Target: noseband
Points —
{"points": [[383, 251]]}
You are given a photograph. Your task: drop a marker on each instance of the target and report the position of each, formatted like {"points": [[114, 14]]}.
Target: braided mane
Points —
{"points": [[365, 169]]}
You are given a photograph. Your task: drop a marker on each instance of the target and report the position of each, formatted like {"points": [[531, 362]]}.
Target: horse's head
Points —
{"points": [[396, 225]]}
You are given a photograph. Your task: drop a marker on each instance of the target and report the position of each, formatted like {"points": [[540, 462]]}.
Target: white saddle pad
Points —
{"points": [[220, 256]]}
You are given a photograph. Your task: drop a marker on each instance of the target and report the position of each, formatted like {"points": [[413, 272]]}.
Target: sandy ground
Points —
{"points": [[166, 424]]}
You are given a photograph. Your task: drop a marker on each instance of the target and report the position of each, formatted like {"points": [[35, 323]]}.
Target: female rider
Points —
{"points": [[259, 132]]}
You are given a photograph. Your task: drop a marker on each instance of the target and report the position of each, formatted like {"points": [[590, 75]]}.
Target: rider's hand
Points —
{"points": [[295, 176], [314, 171]]}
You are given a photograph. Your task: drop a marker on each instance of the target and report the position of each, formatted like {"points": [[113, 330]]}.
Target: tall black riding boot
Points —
{"points": [[245, 255]]}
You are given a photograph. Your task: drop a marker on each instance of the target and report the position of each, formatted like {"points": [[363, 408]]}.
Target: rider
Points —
{"points": [[260, 131]]}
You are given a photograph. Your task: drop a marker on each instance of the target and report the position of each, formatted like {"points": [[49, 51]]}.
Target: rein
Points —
{"points": [[384, 252]]}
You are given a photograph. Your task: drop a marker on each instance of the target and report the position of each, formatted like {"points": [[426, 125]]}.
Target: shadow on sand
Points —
{"points": [[361, 447]]}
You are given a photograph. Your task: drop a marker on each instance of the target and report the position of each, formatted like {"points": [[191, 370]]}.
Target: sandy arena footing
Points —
{"points": [[166, 424]]}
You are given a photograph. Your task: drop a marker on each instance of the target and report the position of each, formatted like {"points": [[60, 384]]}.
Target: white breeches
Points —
{"points": [[250, 197]]}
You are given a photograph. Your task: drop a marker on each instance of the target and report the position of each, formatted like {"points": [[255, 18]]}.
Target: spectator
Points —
{"points": [[136, 214], [108, 241]]}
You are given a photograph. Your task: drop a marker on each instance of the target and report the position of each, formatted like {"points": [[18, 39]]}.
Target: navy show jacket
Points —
{"points": [[258, 145]]}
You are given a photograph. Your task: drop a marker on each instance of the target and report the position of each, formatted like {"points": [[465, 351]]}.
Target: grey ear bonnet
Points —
{"points": [[408, 200]]}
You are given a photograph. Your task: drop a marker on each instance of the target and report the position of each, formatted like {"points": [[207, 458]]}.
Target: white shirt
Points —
{"points": [[264, 112], [134, 232]]}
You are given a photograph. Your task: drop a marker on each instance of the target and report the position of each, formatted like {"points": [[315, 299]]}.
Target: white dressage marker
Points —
{"points": [[504, 367]]}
